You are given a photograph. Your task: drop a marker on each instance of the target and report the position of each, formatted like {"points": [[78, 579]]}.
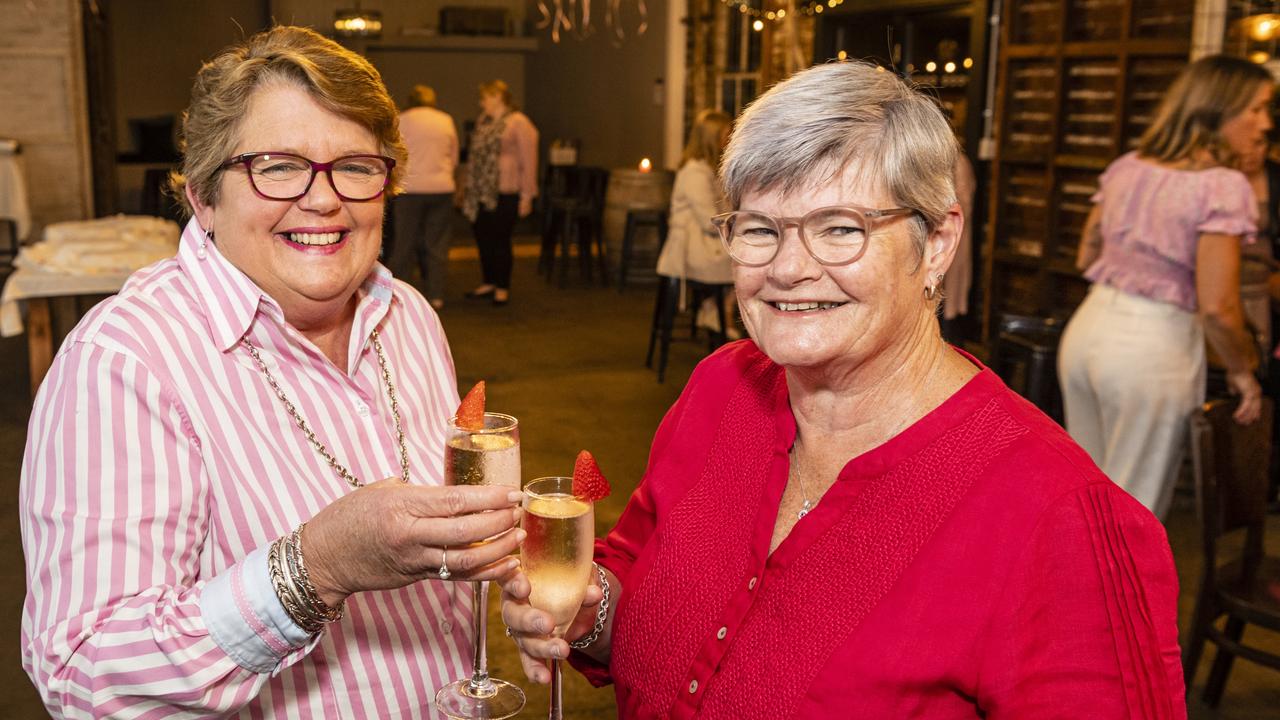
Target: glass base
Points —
{"points": [[460, 701]]}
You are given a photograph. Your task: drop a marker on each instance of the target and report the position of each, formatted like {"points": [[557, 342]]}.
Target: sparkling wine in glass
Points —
{"points": [[556, 557], [490, 456]]}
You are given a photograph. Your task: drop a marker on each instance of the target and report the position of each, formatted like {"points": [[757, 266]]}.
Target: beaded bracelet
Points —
{"points": [[602, 614]]}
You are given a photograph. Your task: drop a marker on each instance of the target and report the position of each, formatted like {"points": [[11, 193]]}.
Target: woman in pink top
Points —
{"points": [[845, 517], [502, 181], [1162, 247], [232, 497]]}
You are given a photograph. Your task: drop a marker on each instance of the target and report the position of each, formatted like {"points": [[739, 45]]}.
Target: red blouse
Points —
{"points": [[978, 564]]}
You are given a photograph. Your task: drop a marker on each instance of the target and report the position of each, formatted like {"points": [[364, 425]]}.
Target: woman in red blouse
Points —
{"points": [[845, 516]]}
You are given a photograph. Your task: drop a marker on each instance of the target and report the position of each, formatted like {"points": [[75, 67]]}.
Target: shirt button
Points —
{"points": [[721, 633], [446, 626], [751, 584], [693, 687], [362, 410]]}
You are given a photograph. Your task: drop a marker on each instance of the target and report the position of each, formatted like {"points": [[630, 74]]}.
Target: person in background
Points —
{"points": [[693, 250], [1162, 248], [1264, 176], [844, 516], [501, 183], [233, 486], [423, 211]]}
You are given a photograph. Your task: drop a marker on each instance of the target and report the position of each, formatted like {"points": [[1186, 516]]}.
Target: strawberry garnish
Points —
{"points": [[471, 412], [588, 481]]}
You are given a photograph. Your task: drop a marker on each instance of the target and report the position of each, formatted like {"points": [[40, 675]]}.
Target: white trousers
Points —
{"points": [[1132, 370]]}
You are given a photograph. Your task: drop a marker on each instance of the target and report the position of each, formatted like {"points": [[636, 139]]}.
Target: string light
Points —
{"points": [[810, 8]]}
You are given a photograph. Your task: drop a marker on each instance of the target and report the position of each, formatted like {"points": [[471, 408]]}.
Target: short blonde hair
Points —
{"points": [[502, 90], [340, 81], [704, 138], [1206, 94], [820, 121]]}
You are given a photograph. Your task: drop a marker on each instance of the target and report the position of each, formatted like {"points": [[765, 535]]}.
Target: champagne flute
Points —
{"points": [[556, 556], [489, 456]]}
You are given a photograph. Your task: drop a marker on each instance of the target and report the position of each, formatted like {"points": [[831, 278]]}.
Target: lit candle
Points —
{"points": [[645, 165]]}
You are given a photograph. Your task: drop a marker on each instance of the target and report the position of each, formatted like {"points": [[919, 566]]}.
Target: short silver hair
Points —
{"points": [[820, 122]]}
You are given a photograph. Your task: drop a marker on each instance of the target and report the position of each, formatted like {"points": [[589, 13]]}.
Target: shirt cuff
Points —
{"points": [[246, 619]]}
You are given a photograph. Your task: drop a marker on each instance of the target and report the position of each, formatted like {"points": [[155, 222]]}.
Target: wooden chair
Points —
{"points": [[1230, 465]]}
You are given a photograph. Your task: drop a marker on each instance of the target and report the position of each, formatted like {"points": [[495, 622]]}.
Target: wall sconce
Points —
{"points": [[357, 23]]}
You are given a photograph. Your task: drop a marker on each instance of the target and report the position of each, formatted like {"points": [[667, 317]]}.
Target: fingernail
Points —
{"points": [[556, 652], [521, 535], [514, 496]]}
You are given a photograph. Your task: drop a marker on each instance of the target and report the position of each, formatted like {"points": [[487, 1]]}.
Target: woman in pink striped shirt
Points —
{"points": [[232, 498]]}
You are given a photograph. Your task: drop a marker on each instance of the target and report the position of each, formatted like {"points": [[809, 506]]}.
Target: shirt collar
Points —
{"points": [[231, 301]]}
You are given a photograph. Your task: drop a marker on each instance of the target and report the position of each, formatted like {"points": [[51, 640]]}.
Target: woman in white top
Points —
{"points": [[693, 250]]}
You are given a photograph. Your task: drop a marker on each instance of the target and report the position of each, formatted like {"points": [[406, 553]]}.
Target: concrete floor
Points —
{"points": [[570, 364]]}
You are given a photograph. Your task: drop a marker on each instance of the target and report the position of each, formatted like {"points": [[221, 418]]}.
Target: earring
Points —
{"points": [[202, 248], [931, 292]]}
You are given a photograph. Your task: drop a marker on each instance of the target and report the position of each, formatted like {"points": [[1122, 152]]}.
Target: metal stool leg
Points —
{"points": [[660, 298], [670, 301], [624, 258]]}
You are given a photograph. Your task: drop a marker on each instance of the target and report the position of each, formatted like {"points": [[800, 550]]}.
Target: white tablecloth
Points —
{"points": [[24, 284], [88, 257]]}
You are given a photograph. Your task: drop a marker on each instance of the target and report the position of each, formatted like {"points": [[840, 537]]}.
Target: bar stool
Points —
{"points": [[1025, 356], [636, 220], [574, 217], [664, 315]]}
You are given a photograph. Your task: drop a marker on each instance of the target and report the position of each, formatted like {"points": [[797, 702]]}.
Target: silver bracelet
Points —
{"points": [[602, 614]]}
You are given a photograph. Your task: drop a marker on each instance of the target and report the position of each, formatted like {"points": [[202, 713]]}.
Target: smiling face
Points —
{"points": [[804, 314], [310, 254], [1247, 132]]}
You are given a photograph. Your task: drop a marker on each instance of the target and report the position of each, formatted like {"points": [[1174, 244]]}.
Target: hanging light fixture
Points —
{"points": [[355, 22], [574, 17]]}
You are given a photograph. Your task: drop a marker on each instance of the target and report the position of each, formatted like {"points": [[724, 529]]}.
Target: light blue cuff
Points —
{"points": [[246, 619]]}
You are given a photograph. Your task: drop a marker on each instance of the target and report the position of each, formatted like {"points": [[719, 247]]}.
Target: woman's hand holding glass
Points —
{"points": [[533, 629], [391, 534]]}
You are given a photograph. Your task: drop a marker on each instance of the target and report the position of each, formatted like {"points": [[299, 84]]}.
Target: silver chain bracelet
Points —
{"points": [[602, 614]]}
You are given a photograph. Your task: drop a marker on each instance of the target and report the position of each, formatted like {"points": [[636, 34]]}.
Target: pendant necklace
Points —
{"points": [[807, 505]]}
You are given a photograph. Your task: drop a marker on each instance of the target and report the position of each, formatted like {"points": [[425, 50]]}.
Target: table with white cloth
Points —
{"points": [[76, 259]]}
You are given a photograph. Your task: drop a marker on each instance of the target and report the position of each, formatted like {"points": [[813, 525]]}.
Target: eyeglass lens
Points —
{"points": [[833, 235], [283, 177]]}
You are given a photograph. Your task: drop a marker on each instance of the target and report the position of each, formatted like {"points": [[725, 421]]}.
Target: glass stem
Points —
{"points": [[555, 713], [480, 664]]}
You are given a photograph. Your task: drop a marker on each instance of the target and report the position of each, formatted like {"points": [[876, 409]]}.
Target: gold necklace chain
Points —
{"points": [[310, 434]]}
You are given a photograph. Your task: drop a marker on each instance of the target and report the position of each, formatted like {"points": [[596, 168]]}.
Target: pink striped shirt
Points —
{"points": [[160, 466]]}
